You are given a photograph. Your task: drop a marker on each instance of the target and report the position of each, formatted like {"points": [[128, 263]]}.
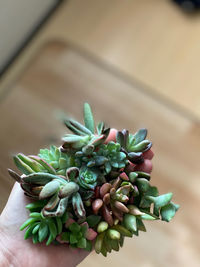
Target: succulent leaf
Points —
{"points": [[77, 127], [140, 136], [49, 189], [100, 128], [88, 117], [22, 166], [93, 220], [130, 222], [56, 159], [167, 212], [87, 178], [78, 206]]}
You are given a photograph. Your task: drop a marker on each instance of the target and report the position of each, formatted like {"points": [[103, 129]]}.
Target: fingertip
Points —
{"points": [[148, 154], [112, 135], [146, 166]]}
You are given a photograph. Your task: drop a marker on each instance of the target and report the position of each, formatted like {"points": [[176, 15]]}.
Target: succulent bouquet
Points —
{"points": [[87, 192]]}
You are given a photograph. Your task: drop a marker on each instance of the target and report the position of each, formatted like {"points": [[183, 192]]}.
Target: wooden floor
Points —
{"points": [[151, 41], [61, 77]]}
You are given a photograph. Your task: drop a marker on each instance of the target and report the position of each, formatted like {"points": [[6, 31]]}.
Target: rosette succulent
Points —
{"points": [[86, 190], [58, 160]]}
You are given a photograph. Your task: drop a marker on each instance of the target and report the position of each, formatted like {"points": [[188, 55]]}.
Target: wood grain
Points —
{"points": [[61, 78], [151, 41]]}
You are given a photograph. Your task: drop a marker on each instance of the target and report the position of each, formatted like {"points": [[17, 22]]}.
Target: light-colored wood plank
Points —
{"points": [[151, 41], [62, 78]]}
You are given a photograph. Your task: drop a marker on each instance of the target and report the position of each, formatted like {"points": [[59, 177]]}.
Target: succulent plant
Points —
{"points": [[88, 178], [88, 157], [107, 156], [134, 145], [115, 157], [56, 189], [77, 235], [86, 190], [32, 164], [111, 201], [58, 160], [83, 135], [110, 238], [40, 228]]}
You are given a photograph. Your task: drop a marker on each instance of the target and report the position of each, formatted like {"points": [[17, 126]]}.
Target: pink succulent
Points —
{"points": [[90, 234]]}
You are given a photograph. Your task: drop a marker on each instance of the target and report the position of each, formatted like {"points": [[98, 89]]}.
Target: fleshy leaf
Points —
{"points": [[93, 220], [140, 136], [167, 212], [162, 200], [130, 222], [88, 117]]}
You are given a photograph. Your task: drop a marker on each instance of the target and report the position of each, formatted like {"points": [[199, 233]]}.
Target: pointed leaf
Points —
{"points": [[74, 227], [44, 164], [88, 117], [130, 222], [140, 225], [14, 175], [99, 242], [78, 206], [23, 167], [122, 230], [161, 200], [141, 147], [113, 234], [147, 217], [76, 127], [167, 212], [82, 243], [142, 184], [140, 136], [100, 128], [52, 228], [34, 165], [40, 178], [43, 232], [93, 220]]}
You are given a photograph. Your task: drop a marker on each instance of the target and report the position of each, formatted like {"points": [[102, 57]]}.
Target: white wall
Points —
{"points": [[17, 18]]}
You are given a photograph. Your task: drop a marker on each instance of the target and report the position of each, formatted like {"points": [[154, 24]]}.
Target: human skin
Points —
{"points": [[17, 252]]}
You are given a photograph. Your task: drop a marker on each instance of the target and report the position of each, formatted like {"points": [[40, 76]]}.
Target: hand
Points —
{"points": [[17, 252]]}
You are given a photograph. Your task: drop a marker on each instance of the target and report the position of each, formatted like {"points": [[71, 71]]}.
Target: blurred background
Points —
{"points": [[138, 64]]}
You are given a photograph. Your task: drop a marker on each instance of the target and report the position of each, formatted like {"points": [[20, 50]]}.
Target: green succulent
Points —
{"points": [[32, 164], [147, 195], [58, 160], [134, 145], [163, 207], [107, 156], [110, 238], [76, 235], [88, 178], [115, 157], [40, 228], [83, 135], [58, 192], [87, 156]]}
